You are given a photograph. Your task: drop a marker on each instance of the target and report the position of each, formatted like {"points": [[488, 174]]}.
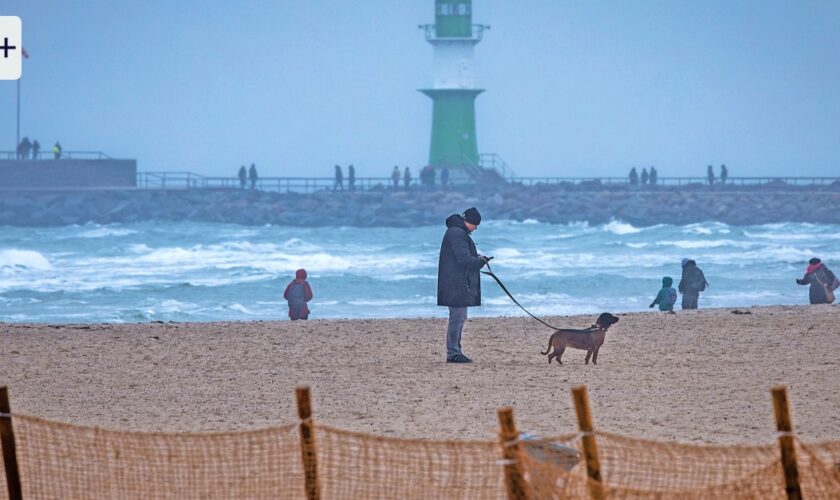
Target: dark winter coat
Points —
{"points": [[816, 293], [693, 281], [458, 268]]}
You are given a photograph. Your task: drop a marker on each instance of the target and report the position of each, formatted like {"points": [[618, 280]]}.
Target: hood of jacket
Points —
{"points": [[455, 220]]}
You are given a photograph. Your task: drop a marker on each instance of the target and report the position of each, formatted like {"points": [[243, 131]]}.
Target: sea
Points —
{"points": [[193, 271]]}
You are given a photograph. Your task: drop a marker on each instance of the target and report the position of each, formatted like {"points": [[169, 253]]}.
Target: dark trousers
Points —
{"points": [[689, 300], [457, 317]]}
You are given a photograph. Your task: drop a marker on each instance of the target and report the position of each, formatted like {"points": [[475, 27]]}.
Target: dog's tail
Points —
{"points": [[549, 346]]}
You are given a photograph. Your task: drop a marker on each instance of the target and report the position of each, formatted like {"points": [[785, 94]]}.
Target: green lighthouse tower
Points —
{"points": [[453, 91]]}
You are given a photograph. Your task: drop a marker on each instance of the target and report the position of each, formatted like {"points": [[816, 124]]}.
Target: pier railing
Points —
{"points": [[47, 154], [190, 180]]}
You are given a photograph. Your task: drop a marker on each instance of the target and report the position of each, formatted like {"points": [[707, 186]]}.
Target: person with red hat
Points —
{"points": [[297, 294]]}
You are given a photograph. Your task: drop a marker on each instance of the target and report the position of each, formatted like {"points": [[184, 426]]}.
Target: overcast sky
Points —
{"points": [[573, 88]]}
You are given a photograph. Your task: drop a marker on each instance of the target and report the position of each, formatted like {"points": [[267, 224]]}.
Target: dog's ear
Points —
{"points": [[614, 319], [604, 320]]}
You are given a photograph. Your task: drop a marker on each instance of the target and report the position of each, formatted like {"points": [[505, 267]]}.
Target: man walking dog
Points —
{"points": [[459, 286]]}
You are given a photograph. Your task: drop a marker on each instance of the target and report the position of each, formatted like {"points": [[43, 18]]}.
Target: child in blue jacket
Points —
{"points": [[667, 295]]}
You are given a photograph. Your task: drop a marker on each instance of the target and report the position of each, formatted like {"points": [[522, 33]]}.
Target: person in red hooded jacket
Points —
{"points": [[298, 293]]}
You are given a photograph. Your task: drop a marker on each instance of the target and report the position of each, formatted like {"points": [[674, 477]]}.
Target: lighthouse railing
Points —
{"points": [[477, 33]]}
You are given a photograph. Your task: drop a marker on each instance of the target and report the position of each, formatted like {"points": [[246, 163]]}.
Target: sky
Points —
{"points": [[585, 88]]}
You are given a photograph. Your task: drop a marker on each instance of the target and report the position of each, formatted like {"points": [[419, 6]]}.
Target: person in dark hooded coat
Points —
{"points": [[459, 286], [692, 282], [822, 281]]}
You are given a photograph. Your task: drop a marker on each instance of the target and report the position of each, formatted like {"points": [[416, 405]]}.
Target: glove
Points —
{"points": [[798, 281], [651, 306]]}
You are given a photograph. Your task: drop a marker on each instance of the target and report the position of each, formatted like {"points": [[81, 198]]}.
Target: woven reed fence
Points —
{"points": [[55, 460]]}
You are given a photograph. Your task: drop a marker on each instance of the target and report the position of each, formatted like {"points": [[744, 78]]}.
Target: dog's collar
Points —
{"points": [[596, 327]]}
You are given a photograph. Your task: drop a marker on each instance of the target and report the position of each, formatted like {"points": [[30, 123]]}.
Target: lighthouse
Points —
{"points": [[453, 92]]}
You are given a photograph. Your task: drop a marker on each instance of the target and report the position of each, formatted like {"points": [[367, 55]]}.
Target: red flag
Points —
{"points": [[24, 53]]}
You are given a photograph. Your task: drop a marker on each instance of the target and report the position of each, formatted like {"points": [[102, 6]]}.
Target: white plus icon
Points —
{"points": [[11, 41]]}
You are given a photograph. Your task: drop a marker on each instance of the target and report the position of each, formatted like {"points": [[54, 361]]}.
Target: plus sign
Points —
{"points": [[6, 47]]}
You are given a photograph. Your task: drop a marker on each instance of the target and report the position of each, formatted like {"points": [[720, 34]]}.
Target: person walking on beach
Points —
{"points": [[459, 285], [57, 150], [644, 176], [652, 176], [243, 177], [724, 173], [339, 179], [710, 175], [297, 294], [252, 173], [395, 177], [692, 282], [351, 177], [667, 296], [36, 149], [822, 281], [634, 177]]}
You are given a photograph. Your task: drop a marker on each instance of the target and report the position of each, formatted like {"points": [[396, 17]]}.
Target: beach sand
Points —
{"points": [[699, 376]]}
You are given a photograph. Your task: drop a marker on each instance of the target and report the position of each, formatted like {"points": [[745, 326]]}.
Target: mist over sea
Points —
{"points": [[189, 271]]}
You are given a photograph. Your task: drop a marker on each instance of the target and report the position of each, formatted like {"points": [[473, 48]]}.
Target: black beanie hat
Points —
{"points": [[472, 216], [814, 261]]}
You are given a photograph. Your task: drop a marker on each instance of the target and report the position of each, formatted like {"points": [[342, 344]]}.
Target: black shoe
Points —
{"points": [[458, 358]]}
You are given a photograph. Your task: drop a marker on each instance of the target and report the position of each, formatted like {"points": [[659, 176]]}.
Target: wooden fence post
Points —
{"points": [[784, 426], [307, 444], [512, 455], [7, 440], [590, 448]]}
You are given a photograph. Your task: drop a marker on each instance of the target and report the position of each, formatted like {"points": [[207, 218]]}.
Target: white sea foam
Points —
{"points": [[29, 259], [620, 228], [102, 232]]}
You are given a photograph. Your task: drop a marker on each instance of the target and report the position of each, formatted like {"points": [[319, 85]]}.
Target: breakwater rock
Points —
{"points": [[557, 204]]}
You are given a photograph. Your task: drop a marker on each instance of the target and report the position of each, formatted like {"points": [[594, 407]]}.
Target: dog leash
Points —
{"points": [[489, 272]]}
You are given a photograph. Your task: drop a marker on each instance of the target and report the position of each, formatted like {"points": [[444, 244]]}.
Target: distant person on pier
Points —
{"points": [[822, 281], [407, 178], [252, 173], [57, 150], [427, 177], [351, 177], [644, 176], [653, 176], [23, 149], [395, 177], [339, 179], [710, 174], [297, 294], [724, 173], [692, 282], [243, 177], [36, 149], [634, 177], [667, 296], [444, 176]]}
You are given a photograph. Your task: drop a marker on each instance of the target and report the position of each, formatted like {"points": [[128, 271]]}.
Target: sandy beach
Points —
{"points": [[700, 376]]}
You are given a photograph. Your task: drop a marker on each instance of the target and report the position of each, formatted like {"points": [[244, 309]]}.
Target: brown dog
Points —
{"points": [[589, 339]]}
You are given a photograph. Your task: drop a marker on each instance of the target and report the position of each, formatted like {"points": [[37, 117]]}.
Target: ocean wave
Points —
{"points": [[26, 259], [620, 228], [690, 244], [105, 231]]}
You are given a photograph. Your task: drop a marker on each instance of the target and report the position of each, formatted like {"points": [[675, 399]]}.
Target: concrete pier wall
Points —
{"points": [[67, 173]]}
